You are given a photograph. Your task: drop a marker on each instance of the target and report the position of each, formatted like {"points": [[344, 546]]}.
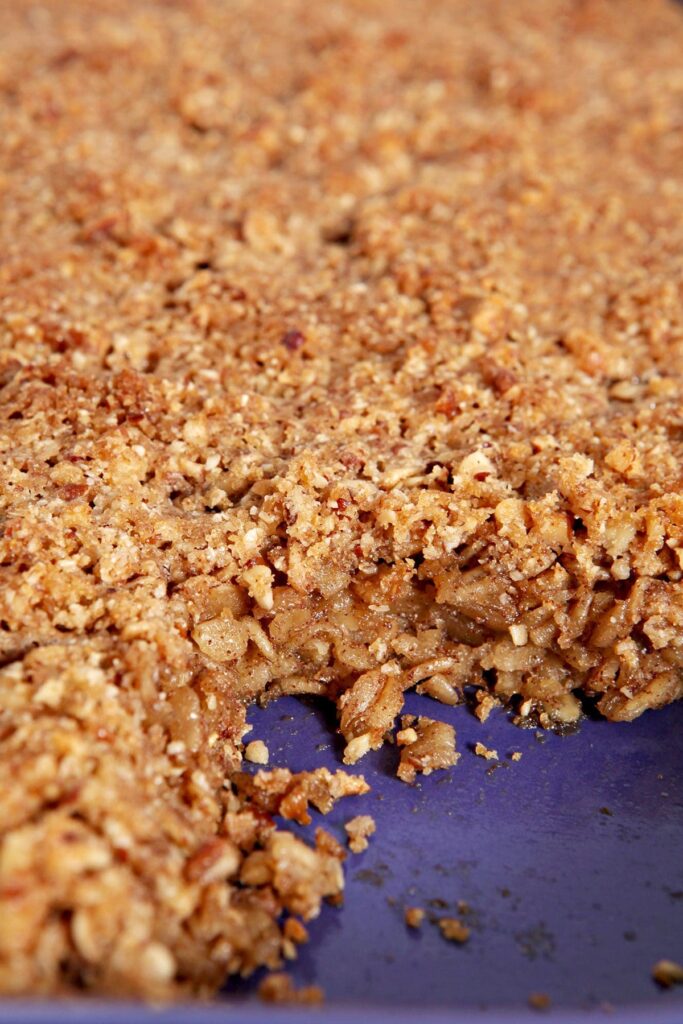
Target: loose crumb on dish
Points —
{"points": [[454, 930], [484, 704], [667, 973], [481, 750], [358, 830], [257, 752], [427, 746], [539, 1001], [279, 988], [414, 916]]}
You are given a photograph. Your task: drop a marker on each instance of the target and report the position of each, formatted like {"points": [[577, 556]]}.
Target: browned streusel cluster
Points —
{"points": [[340, 352]]}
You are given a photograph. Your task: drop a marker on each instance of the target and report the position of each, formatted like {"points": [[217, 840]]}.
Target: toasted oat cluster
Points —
{"points": [[340, 352], [425, 745]]}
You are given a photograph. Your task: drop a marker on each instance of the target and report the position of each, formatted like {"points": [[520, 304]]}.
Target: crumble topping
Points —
{"points": [[343, 358]]}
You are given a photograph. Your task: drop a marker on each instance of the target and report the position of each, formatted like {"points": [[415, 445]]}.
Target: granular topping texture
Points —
{"points": [[340, 354]]}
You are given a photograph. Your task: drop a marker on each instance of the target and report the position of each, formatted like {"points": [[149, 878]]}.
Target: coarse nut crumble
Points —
{"points": [[340, 354]]}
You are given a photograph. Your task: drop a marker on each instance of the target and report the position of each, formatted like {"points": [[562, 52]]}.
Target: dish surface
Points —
{"points": [[566, 898], [344, 356]]}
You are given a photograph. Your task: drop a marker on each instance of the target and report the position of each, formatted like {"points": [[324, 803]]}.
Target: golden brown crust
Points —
{"points": [[340, 353]]}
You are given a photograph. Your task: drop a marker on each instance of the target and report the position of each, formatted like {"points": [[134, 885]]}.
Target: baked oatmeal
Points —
{"points": [[340, 352]]}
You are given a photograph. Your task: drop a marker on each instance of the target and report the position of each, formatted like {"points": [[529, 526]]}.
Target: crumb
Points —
{"points": [[404, 737], [539, 1001], [414, 916], [256, 752], [358, 830], [519, 635], [482, 751], [667, 973], [326, 842], [486, 702], [290, 794], [433, 747], [280, 989], [516, 755], [295, 931], [454, 930]]}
